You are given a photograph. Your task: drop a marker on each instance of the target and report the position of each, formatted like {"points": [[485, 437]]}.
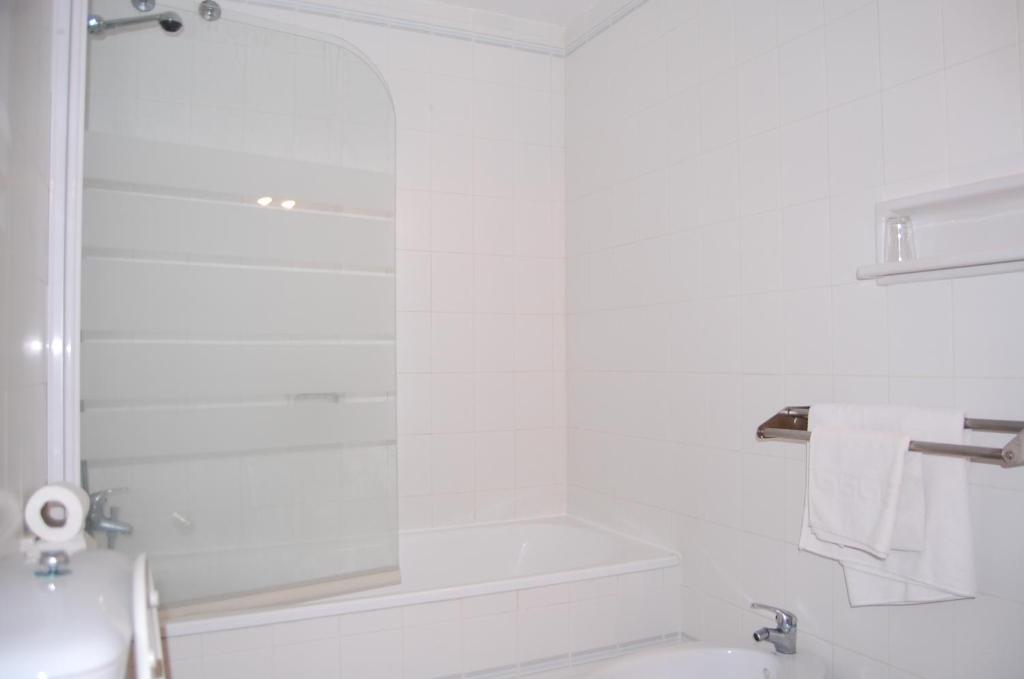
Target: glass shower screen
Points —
{"points": [[238, 309]]}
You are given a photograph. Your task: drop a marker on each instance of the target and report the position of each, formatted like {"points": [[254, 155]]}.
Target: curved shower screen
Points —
{"points": [[238, 310]]}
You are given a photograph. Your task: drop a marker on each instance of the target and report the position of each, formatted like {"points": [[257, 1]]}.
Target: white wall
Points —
{"points": [[24, 202], [480, 280], [723, 161], [481, 270]]}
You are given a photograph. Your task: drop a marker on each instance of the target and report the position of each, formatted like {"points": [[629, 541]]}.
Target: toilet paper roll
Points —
{"points": [[56, 512]]}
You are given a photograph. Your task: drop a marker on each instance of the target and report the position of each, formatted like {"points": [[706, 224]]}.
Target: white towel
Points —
{"points": [[916, 423], [853, 487], [943, 568]]}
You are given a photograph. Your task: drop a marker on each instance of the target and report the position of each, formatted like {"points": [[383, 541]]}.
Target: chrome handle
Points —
{"points": [[784, 620], [98, 502], [102, 495], [112, 527], [103, 518]]}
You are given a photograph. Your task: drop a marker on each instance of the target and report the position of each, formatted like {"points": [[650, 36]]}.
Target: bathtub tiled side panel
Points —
{"points": [[495, 635]]}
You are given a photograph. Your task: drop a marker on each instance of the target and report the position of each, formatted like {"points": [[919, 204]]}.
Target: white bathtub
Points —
{"points": [[439, 564], [458, 563], [481, 602]]}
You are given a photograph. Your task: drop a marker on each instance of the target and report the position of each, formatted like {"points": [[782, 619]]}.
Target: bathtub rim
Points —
{"points": [[323, 609]]}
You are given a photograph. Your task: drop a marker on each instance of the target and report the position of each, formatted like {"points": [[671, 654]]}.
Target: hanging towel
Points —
{"points": [[943, 568], [922, 424], [853, 487]]}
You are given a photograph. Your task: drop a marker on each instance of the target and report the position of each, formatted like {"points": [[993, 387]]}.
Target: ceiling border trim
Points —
{"points": [[603, 25], [481, 37], [387, 21]]}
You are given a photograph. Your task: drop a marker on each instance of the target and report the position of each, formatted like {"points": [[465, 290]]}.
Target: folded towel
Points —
{"points": [[853, 487], [922, 424], [943, 568]]}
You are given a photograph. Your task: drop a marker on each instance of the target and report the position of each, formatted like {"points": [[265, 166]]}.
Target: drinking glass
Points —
{"points": [[899, 239]]}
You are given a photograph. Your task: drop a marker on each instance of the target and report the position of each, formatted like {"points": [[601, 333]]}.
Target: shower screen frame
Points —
{"points": [[68, 87]]}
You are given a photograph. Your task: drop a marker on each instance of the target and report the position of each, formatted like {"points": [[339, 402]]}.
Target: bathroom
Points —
{"points": [[589, 246]]}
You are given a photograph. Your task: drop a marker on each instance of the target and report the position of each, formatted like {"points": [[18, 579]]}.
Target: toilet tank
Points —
{"points": [[75, 625]]}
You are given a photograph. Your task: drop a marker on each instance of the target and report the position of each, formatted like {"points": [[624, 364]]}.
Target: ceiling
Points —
{"points": [[558, 12]]}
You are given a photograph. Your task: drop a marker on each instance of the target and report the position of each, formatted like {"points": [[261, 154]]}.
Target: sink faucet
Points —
{"points": [[103, 519], [783, 637]]}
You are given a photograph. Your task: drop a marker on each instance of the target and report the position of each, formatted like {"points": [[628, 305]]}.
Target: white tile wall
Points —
{"points": [[789, 121], [500, 635], [24, 203], [481, 282]]}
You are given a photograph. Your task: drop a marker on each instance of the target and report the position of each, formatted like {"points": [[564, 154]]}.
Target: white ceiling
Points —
{"points": [[558, 12]]}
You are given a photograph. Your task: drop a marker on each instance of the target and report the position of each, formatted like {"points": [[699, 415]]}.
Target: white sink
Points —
{"points": [[704, 661]]}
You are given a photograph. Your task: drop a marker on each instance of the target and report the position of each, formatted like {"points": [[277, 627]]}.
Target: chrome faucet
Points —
{"points": [[103, 519], [783, 637]]}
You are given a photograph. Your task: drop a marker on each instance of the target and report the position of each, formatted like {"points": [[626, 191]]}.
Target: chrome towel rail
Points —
{"points": [[790, 424]]}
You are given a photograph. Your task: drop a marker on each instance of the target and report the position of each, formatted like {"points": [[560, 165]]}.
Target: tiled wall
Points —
{"points": [[24, 204], [481, 286], [481, 280], [496, 635], [723, 161], [481, 272]]}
